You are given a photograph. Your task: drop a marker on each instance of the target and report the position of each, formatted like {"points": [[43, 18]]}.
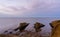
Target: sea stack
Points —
{"points": [[38, 26]]}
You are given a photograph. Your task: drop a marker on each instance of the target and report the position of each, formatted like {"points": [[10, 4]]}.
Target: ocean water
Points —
{"points": [[12, 23]]}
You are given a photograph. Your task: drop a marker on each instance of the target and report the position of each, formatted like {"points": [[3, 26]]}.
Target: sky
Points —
{"points": [[29, 8]]}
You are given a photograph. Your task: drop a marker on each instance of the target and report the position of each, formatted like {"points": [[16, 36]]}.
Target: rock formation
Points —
{"points": [[8, 35], [55, 25], [25, 33], [22, 26], [38, 26]]}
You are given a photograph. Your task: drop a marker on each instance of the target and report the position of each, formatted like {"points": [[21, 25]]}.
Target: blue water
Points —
{"points": [[12, 23]]}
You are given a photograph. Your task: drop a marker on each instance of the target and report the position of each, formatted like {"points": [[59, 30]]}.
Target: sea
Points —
{"points": [[10, 23]]}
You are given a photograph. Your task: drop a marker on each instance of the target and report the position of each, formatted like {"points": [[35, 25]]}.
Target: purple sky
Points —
{"points": [[29, 8]]}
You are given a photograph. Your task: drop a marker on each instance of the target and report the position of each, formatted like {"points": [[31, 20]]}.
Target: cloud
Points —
{"points": [[26, 7]]}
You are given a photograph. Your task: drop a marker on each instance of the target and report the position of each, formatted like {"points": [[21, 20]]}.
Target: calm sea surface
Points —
{"points": [[11, 23]]}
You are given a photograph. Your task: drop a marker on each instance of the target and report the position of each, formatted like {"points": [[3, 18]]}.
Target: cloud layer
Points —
{"points": [[29, 7]]}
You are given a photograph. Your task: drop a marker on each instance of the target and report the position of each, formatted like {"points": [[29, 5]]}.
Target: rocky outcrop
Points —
{"points": [[38, 26], [22, 26], [8, 35], [24, 33], [55, 25]]}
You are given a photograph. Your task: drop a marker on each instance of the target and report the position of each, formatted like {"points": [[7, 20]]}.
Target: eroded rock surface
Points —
{"points": [[55, 28], [38, 26]]}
